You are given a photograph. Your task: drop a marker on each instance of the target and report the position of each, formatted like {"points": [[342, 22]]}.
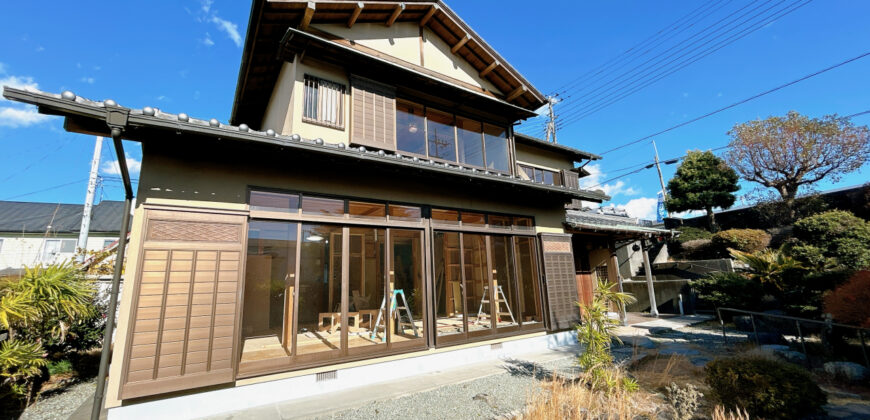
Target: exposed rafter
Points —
{"points": [[306, 18], [356, 11], [517, 92], [429, 15], [459, 44], [396, 12], [489, 68]]}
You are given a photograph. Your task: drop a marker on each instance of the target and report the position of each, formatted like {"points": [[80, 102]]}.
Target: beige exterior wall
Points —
{"points": [[17, 251], [437, 57], [402, 41], [541, 158], [279, 112], [134, 250], [223, 173]]}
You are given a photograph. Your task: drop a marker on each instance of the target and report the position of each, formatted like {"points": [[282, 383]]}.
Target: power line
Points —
{"points": [[767, 92], [46, 189], [677, 46], [649, 164], [649, 77], [637, 47]]}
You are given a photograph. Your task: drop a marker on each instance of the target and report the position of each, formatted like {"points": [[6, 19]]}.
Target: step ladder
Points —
{"points": [[396, 311], [501, 299]]}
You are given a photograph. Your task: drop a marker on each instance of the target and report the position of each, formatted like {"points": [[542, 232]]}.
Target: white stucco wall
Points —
{"points": [[18, 251]]}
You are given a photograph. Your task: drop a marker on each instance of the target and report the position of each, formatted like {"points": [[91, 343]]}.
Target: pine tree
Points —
{"points": [[702, 182]]}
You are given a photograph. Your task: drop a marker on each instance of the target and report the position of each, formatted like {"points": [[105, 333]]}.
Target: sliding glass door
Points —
{"points": [[484, 285], [359, 290]]}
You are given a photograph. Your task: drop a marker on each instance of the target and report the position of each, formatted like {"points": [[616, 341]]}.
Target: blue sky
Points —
{"points": [[183, 56]]}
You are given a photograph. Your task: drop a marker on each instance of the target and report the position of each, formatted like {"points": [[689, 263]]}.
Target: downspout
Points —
{"points": [[116, 118]]}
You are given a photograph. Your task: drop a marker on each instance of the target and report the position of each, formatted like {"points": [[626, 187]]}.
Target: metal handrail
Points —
{"points": [[797, 322]]}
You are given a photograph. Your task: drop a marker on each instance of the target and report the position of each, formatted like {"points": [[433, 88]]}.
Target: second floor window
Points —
{"points": [[542, 175], [439, 135], [323, 102]]}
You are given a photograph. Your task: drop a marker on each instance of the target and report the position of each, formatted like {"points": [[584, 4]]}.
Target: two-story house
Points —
{"points": [[367, 212]]}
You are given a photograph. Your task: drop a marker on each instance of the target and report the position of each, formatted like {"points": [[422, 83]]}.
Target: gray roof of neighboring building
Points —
{"points": [[29, 217], [610, 221]]}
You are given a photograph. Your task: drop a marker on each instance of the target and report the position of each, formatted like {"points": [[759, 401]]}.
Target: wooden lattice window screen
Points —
{"points": [[560, 281], [373, 116]]}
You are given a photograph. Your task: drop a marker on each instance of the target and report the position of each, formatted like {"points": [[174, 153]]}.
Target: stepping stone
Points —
{"points": [[640, 341], [700, 361], [679, 351], [849, 371], [660, 330]]}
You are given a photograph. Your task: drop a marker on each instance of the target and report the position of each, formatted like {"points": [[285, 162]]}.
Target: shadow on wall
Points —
{"points": [[667, 296]]}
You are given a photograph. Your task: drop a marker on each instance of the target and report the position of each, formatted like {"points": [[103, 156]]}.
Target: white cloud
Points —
{"points": [[596, 176], [25, 82], [208, 41], [641, 208], [88, 80], [230, 28], [206, 5], [40, 48], [111, 167], [163, 98], [20, 117]]}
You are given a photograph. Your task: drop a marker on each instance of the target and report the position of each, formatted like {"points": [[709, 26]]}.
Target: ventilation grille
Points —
{"points": [[326, 376], [495, 346]]}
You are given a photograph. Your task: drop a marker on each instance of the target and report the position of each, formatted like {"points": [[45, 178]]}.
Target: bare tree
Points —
{"points": [[785, 153]]}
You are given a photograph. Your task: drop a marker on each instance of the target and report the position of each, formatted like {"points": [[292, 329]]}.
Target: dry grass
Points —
{"points": [[575, 400], [719, 413], [657, 372]]}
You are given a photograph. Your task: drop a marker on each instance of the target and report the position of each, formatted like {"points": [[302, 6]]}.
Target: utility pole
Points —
{"points": [[551, 123], [89, 198], [659, 168]]}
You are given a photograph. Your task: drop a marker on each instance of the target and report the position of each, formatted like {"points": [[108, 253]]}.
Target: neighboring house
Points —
{"points": [[367, 213], [46, 233]]}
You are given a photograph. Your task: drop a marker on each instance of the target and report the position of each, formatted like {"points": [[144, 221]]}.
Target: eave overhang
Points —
{"points": [[417, 81], [576, 154], [270, 19], [89, 117]]}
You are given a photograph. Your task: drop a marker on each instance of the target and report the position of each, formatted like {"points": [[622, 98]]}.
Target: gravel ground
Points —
{"points": [[59, 406], [489, 397]]}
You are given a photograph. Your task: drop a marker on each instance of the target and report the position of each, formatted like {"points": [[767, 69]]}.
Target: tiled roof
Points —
{"points": [[593, 220], [69, 104], [28, 217]]}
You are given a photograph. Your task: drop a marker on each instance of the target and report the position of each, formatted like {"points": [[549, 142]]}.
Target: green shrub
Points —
{"points": [[729, 290], [766, 388], [689, 233], [60, 367], [698, 249], [802, 291], [746, 240], [834, 234], [20, 363]]}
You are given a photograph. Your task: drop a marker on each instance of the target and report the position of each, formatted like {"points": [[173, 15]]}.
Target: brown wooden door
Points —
{"points": [[183, 330]]}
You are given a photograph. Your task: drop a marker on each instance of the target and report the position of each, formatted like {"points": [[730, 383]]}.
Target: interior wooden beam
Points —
{"points": [[516, 93], [356, 11], [489, 68], [396, 12], [459, 44], [306, 18], [429, 15]]}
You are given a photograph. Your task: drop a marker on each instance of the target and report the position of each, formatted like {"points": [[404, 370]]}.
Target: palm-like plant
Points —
{"points": [[596, 330], [767, 266], [19, 362]]}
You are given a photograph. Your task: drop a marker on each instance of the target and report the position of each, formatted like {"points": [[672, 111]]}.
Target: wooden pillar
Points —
{"points": [[653, 309], [613, 273]]}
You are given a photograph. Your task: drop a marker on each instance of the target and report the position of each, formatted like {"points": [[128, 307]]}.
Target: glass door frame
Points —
{"points": [[294, 361], [493, 332]]}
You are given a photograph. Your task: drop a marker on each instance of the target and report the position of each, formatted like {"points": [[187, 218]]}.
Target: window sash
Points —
{"points": [[323, 102]]}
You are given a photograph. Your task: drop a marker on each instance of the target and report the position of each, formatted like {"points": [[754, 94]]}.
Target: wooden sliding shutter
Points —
{"points": [[570, 179], [373, 114], [560, 281], [183, 325]]}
